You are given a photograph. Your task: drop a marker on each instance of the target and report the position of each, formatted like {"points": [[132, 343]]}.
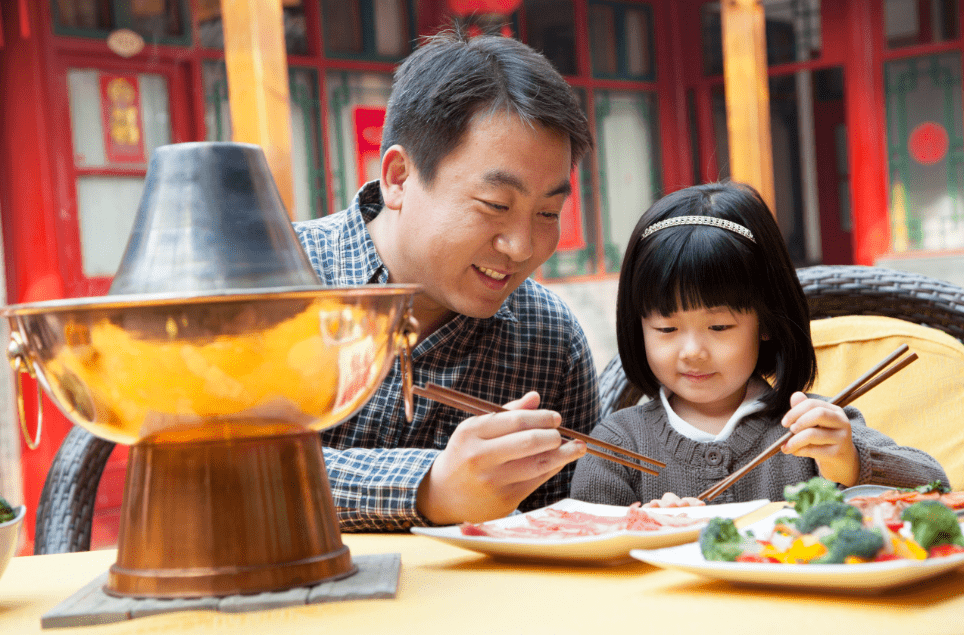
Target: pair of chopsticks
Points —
{"points": [[859, 387], [476, 406]]}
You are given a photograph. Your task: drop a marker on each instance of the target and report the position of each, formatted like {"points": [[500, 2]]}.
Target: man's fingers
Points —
{"points": [[528, 401], [500, 424], [538, 468]]}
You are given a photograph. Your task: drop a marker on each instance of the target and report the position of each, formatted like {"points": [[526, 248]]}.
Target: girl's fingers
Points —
{"points": [[798, 406], [670, 499], [820, 418], [809, 413], [815, 440]]}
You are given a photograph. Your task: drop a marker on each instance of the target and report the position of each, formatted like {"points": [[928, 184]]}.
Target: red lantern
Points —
{"points": [[928, 143], [483, 7]]}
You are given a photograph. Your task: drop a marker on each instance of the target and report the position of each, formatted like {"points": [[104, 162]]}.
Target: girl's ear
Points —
{"points": [[764, 336], [396, 170]]}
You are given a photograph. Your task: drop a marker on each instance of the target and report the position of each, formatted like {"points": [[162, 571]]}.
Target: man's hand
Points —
{"points": [[822, 432], [492, 462]]}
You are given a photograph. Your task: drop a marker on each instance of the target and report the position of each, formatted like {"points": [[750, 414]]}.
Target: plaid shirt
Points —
{"points": [[377, 459]]}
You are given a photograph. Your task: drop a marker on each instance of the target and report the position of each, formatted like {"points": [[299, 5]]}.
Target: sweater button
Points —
{"points": [[714, 456]]}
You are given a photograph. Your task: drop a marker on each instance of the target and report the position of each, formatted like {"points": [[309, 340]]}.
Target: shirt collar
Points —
{"points": [[366, 205]]}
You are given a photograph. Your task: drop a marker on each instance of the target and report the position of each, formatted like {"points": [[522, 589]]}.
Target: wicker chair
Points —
{"points": [[836, 290], [65, 512]]}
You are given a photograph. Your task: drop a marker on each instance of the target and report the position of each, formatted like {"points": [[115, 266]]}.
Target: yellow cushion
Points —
{"points": [[921, 406]]}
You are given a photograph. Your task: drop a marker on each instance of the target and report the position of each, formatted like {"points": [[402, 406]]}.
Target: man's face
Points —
{"points": [[490, 218]]}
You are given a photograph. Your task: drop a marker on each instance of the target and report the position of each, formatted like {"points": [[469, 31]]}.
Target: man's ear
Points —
{"points": [[396, 170]]}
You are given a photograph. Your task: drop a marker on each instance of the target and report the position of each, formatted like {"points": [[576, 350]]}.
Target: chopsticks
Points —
{"points": [[476, 406], [859, 387]]}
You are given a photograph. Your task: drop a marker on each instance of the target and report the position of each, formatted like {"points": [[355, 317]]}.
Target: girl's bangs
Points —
{"points": [[695, 268]]}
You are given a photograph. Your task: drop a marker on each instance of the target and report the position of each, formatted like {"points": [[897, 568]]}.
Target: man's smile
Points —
{"points": [[491, 273]]}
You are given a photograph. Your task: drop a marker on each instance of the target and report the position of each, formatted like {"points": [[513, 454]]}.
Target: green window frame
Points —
{"points": [[620, 10], [120, 9], [369, 52]]}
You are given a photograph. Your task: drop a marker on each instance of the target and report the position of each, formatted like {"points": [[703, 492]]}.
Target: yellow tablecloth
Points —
{"points": [[447, 590]]}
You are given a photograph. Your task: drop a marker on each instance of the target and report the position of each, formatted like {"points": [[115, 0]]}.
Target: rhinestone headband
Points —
{"points": [[699, 220]]}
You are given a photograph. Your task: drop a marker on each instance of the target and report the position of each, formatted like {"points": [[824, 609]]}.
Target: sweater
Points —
{"points": [[692, 467]]}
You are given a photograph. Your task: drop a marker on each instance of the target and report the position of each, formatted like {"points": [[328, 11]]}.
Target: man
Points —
{"points": [[479, 141]]}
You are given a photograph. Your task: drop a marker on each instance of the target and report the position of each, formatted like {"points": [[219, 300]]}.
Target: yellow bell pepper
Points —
{"points": [[801, 551], [907, 547]]}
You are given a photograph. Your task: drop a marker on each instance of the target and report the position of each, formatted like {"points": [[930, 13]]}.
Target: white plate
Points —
{"points": [[865, 490], [862, 578], [609, 548]]}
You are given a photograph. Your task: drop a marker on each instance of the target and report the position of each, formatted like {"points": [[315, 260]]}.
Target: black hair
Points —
{"points": [[697, 266], [448, 80]]}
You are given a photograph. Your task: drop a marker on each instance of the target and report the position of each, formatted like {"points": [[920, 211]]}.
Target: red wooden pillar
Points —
{"points": [[29, 202], [676, 156], [866, 128]]}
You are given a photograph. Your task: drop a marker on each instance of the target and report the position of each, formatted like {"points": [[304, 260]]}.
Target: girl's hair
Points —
{"points": [[697, 266]]}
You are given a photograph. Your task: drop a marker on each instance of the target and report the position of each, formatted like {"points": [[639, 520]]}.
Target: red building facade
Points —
{"points": [[866, 121]]}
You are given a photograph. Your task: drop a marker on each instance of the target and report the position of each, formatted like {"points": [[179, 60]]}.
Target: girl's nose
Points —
{"points": [[693, 348]]}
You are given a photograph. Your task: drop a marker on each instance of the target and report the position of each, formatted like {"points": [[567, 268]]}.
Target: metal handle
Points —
{"points": [[21, 364], [407, 339]]}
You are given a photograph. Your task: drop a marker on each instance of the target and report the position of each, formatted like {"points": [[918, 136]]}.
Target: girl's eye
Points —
{"points": [[720, 327], [665, 329], [550, 215]]}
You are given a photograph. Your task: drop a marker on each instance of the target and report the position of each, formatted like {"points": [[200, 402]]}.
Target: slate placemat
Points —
{"points": [[377, 578]]}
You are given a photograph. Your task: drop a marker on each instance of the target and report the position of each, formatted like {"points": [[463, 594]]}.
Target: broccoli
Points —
{"points": [[7, 512], [933, 486], [830, 514], [809, 493], [850, 541], [720, 540], [933, 524]]}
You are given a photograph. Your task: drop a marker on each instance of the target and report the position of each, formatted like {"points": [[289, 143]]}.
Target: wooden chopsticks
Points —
{"points": [[476, 406], [859, 387]]}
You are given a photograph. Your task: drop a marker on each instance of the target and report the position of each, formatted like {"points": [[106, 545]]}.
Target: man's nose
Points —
{"points": [[515, 241]]}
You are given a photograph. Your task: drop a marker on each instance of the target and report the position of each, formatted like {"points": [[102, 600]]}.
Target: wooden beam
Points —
{"points": [[747, 95], [257, 66]]}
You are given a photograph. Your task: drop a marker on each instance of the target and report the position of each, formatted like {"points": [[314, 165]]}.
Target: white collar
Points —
{"points": [[751, 403]]}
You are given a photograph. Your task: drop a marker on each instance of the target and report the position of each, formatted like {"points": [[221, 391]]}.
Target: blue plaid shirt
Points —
{"points": [[377, 459]]}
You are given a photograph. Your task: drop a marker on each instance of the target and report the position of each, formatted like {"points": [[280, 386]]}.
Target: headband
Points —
{"points": [[699, 220]]}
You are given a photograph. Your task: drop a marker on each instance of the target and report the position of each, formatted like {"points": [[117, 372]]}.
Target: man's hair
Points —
{"points": [[692, 266], [448, 80]]}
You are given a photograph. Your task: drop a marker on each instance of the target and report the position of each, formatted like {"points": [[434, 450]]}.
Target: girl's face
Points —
{"points": [[704, 357]]}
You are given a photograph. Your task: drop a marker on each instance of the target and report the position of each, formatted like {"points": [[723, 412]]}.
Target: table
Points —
{"points": [[444, 589]]}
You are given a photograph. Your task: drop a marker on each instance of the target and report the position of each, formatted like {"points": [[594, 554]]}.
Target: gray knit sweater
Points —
{"points": [[692, 466]]}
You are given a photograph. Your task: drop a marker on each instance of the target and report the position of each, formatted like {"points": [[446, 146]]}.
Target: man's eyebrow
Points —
{"points": [[563, 188], [503, 178]]}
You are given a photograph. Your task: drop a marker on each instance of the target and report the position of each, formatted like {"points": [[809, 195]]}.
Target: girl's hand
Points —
{"points": [[670, 499], [821, 431]]}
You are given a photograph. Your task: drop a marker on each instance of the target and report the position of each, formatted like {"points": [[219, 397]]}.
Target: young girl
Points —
{"points": [[713, 325]]}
